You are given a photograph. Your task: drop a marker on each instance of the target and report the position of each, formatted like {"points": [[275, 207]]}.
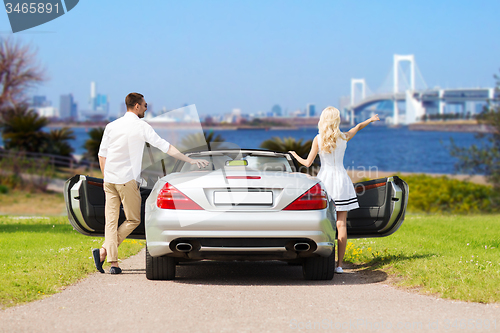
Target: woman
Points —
{"points": [[331, 143]]}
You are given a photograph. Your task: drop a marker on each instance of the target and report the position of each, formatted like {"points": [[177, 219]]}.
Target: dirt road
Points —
{"points": [[244, 297]]}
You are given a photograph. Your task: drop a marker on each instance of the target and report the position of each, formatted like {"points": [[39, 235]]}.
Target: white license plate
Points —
{"points": [[243, 198]]}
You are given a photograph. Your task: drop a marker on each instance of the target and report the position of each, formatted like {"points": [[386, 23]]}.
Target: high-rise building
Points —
{"points": [[276, 110], [310, 110], [67, 107], [40, 101], [98, 104], [43, 107], [101, 103]]}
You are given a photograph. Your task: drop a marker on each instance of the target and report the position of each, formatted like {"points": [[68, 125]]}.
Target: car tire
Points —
{"points": [[159, 268], [319, 268]]}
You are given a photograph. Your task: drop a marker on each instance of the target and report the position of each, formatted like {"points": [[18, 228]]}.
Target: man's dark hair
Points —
{"points": [[132, 99]]}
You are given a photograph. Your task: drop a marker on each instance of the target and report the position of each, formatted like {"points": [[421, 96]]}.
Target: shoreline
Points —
{"points": [[435, 126], [357, 175], [468, 126], [188, 126]]}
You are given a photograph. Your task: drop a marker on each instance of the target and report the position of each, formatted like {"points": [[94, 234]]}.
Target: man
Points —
{"points": [[120, 157]]}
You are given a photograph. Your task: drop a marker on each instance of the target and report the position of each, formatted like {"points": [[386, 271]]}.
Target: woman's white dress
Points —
{"points": [[335, 179]]}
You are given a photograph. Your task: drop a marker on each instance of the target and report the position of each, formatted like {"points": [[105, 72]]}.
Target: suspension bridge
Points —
{"points": [[404, 98]]}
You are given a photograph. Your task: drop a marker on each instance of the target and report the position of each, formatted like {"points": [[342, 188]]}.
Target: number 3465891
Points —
{"points": [[32, 8]]}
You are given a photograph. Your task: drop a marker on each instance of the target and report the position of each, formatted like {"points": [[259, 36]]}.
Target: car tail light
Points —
{"points": [[314, 198], [171, 198]]}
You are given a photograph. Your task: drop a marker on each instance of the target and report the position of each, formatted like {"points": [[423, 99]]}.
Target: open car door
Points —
{"points": [[84, 197], [382, 208]]}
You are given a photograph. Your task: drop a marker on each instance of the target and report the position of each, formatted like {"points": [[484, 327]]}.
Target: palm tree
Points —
{"points": [[22, 130], [93, 143], [286, 144], [58, 139], [211, 137], [196, 141]]}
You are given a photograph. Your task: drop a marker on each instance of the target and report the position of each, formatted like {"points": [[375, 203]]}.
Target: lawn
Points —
{"points": [[453, 256], [40, 256], [26, 203]]}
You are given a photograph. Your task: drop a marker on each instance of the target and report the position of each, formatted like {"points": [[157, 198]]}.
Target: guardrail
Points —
{"points": [[54, 160]]}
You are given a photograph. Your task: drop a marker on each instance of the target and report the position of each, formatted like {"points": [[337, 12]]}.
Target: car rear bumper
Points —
{"points": [[239, 235]]}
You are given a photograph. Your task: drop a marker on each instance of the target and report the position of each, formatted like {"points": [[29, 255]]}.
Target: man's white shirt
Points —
{"points": [[123, 146]]}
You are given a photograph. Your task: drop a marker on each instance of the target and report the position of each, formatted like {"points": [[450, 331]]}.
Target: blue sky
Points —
{"points": [[251, 55]]}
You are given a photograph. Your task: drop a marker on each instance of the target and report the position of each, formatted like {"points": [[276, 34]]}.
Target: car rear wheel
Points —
{"points": [[319, 268], [159, 268]]}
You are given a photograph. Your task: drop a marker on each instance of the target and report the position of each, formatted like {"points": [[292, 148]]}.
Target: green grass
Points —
{"points": [[454, 256], [41, 256]]}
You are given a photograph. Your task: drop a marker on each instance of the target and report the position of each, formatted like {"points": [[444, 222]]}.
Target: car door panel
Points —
{"points": [[382, 206], [85, 201]]}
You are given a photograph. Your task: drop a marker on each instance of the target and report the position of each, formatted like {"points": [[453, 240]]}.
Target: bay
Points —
{"points": [[376, 148]]}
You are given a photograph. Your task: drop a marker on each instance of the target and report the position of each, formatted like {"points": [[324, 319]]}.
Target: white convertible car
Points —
{"points": [[245, 205]]}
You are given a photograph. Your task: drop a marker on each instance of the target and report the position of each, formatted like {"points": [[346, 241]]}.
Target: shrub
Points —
{"points": [[441, 194], [19, 172]]}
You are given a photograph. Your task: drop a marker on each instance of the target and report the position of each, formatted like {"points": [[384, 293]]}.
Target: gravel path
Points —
{"points": [[244, 297]]}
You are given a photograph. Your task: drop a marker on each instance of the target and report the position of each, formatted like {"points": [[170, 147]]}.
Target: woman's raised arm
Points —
{"points": [[312, 154], [352, 132]]}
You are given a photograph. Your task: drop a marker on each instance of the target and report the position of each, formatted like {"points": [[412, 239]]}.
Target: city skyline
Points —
{"points": [[254, 55]]}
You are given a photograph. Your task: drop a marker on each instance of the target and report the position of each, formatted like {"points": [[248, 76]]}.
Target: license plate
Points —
{"points": [[243, 198]]}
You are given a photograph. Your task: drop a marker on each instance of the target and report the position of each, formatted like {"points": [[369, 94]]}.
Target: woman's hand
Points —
{"points": [[294, 154], [199, 163], [374, 118]]}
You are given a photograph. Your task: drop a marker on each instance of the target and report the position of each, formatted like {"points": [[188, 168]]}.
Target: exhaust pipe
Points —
{"points": [[184, 247], [301, 247]]}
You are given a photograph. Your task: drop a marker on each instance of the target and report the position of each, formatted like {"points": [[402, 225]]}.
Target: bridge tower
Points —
{"points": [[354, 82], [397, 59]]}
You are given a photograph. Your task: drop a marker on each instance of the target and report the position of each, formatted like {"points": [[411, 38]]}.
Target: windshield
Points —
{"points": [[239, 160]]}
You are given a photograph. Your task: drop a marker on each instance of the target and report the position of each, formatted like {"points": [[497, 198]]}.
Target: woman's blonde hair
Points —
{"points": [[329, 130]]}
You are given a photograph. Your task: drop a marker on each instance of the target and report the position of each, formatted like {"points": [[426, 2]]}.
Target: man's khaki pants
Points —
{"points": [[128, 194]]}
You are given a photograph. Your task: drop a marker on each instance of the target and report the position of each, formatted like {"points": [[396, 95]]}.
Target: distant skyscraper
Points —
{"points": [[99, 104], [67, 107], [92, 89], [44, 107], [98, 109], [310, 110], [276, 110], [39, 101]]}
